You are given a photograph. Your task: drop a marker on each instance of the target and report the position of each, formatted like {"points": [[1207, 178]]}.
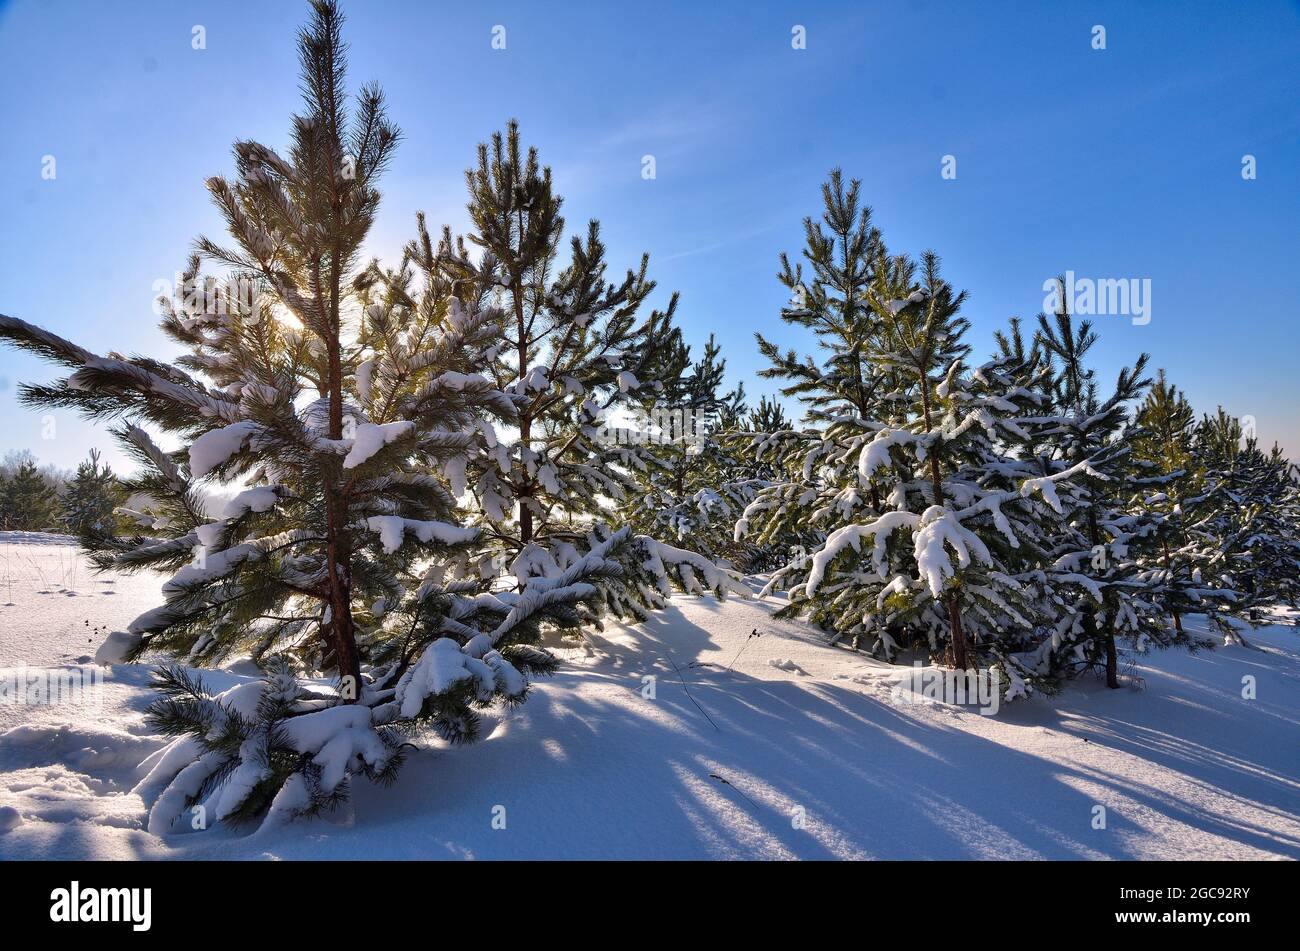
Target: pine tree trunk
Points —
{"points": [[525, 490], [1178, 621], [342, 631], [525, 513], [958, 633], [526, 423], [347, 659], [936, 482], [1108, 638]]}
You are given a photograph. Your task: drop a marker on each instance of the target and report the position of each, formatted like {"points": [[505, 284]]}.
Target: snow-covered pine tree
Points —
{"points": [[577, 357], [27, 500], [1167, 474], [756, 473], [843, 395], [772, 451], [1251, 527], [1108, 578], [695, 485], [912, 458], [767, 417], [91, 497], [335, 400]]}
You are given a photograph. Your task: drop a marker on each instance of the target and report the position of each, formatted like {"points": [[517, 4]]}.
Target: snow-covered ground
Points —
{"points": [[54, 608], [790, 750]]}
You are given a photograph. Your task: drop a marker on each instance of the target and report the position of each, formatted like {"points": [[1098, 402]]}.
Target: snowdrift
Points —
{"points": [[688, 737]]}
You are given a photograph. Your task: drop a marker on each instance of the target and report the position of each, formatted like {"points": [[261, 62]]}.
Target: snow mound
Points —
{"points": [[116, 648], [81, 746], [9, 819]]}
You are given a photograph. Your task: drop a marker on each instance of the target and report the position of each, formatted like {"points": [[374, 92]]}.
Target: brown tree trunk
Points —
{"points": [[936, 483], [1178, 621], [338, 554], [525, 513], [1112, 662], [525, 424], [342, 631]]}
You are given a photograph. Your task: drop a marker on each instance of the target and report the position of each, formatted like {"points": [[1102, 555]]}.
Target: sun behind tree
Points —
{"points": [[337, 397]]}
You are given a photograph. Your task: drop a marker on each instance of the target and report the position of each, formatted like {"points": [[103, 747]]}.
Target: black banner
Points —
{"points": [[142, 900]]}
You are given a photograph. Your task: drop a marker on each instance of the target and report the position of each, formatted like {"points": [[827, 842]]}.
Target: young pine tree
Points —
{"points": [[911, 458], [1168, 474], [1253, 548], [694, 485], [1112, 583], [336, 400], [843, 395], [91, 497], [27, 500], [575, 354]]}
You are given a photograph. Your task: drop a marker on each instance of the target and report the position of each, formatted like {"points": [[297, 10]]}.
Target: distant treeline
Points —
{"points": [[36, 498]]}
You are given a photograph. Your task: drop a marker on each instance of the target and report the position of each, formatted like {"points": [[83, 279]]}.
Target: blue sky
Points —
{"points": [[1116, 163]]}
